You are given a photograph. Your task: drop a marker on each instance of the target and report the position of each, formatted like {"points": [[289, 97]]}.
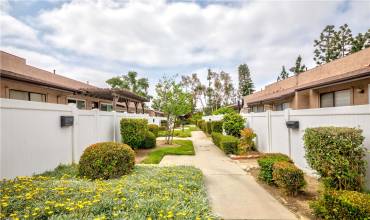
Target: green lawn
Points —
{"points": [[179, 132], [186, 148], [147, 193]]}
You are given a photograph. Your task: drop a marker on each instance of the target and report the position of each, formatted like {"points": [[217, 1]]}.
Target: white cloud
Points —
{"points": [[157, 36]]}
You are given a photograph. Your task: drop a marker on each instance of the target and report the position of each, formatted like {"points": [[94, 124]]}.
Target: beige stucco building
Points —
{"points": [[345, 81], [18, 80]]}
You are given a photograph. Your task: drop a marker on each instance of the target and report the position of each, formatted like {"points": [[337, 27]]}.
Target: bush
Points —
{"points": [[233, 123], [266, 163], [229, 144], [342, 205], [149, 141], [162, 128], [246, 140], [133, 131], [337, 154], [289, 177], [209, 127], [223, 110], [216, 138], [154, 129], [216, 126], [106, 160]]}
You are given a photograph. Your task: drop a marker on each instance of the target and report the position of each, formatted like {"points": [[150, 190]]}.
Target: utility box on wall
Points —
{"points": [[66, 121], [292, 124]]}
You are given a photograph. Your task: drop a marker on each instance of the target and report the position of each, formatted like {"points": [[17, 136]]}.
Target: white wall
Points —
{"points": [[274, 136], [32, 140]]}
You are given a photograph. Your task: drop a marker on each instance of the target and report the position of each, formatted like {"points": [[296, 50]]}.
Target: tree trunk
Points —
{"points": [[173, 130], [168, 130]]}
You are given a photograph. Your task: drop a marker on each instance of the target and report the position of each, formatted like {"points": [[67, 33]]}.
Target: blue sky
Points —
{"points": [[95, 40]]}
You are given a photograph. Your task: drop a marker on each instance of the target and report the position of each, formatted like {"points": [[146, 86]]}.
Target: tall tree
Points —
{"points": [[139, 86], [299, 67], [246, 86], [173, 101], [361, 41], [283, 74], [344, 40], [193, 85], [326, 46], [227, 88]]}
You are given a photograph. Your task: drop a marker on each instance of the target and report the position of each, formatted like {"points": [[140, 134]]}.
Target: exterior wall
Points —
{"points": [[310, 98], [32, 140]]}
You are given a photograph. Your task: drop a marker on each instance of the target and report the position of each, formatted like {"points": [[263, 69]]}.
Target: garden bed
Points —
{"points": [[147, 193]]}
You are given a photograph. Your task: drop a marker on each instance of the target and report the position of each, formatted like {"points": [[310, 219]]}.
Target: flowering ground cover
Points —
{"points": [[148, 193]]}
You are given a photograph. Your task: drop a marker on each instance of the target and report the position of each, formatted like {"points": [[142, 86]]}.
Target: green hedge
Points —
{"points": [[233, 123], [337, 154], [216, 138], [133, 131], [217, 126], [227, 143], [154, 129], [106, 160], [149, 141], [342, 205], [209, 127], [266, 163], [289, 177]]}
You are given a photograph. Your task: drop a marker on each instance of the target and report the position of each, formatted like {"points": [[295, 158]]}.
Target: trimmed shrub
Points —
{"points": [[229, 144], [246, 140], [154, 129], [216, 126], [233, 123], [162, 128], [266, 163], [133, 131], [149, 141], [216, 138], [337, 154], [209, 127], [342, 205], [289, 177], [106, 160]]}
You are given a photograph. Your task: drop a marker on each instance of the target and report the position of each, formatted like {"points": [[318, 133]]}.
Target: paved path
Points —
{"points": [[233, 194]]}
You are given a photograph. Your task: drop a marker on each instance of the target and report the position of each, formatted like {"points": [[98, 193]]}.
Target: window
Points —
{"points": [[27, 96], [106, 107], [81, 104], [260, 108], [282, 106], [335, 99]]}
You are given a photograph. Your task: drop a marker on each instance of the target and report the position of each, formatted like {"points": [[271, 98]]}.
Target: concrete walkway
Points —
{"points": [[233, 194]]}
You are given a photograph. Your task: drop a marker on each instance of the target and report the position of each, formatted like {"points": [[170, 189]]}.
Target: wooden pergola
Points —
{"points": [[117, 96]]}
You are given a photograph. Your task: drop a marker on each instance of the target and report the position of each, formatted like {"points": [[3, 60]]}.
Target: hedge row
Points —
{"points": [[342, 204], [227, 143]]}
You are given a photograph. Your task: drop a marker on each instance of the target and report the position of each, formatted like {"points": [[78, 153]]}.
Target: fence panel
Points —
{"points": [[33, 141]]}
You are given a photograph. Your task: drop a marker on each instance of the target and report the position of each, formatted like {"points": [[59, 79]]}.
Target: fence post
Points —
{"points": [[96, 115], [287, 118], [114, 125], [268, 115], [74, 111]]}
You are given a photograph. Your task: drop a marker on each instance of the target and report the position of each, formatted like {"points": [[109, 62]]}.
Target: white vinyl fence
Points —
{"points": [[33, 141], [274, 136]]}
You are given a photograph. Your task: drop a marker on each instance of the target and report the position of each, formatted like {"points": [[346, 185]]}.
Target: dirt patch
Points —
{"points": [[141, 154], [298, 204]]}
